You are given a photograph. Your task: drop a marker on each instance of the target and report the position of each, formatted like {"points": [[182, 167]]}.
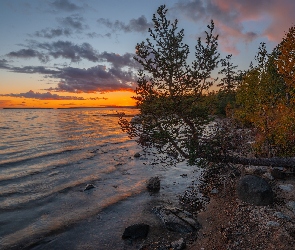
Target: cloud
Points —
{"points": [[53, 33], [68, 50], [4, 64], [227, 17], [75, 21], [97, 98], [230, 18], [94, 79], [69, 24], [65, 5], [44, 96], [34, 70], [73, 52], [96, 35], [29, 53], [135, 25], [119, 61], [118, 76]]}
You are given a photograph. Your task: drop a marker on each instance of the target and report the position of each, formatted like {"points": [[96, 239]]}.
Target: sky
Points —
{"points": [[79, 53]]}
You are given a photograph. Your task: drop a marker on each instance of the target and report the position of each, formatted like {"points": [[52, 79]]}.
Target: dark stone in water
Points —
{"points": [[136, 231], [137, 155], [255, 190], [89, 186], [153, 184]]}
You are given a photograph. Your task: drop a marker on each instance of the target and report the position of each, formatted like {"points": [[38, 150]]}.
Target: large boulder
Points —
{"points": [[136, 231], [255, 190]]}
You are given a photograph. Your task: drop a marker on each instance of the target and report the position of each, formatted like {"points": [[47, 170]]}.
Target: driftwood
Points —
{"points": [[288, 162]]}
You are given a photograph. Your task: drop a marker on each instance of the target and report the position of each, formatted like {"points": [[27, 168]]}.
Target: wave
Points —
{"points": [[15, 161], [63, 219]]}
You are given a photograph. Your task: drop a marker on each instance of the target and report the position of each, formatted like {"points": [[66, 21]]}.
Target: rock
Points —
{"points": [[280, 215], [255, 170], [176, 220], [272, 224], [153, 184], [268, 175], [136, 231], [214, 191], [89, 186], [136, 155], [286, 187], [235, 173], [255, 190], [291, 206], [278, 174], [178, 244]]}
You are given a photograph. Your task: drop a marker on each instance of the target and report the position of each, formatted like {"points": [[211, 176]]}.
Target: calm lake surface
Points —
{"points": [[47, 157]]}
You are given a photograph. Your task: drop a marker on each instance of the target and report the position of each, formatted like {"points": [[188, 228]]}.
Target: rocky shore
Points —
{"points": [[220, 219], [233, 207], [230, 223]]}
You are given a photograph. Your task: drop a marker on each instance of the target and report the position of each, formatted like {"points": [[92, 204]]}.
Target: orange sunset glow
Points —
{"points": [[120, 98]]}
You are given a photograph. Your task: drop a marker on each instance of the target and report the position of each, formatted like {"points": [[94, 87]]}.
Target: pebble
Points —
{"points": [[268, 176], [272, 224], [280, 215], [178, 245], [291, 206], [89, 186], [214, 191], [286, 187]]}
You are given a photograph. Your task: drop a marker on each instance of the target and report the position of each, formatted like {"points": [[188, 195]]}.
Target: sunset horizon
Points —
{"points": [[80, 53]]}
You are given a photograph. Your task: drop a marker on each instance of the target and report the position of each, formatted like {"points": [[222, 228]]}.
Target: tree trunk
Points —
{"points": [[271, 162]]}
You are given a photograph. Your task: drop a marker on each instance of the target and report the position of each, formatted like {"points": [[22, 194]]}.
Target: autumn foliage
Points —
{"points": [[266, 99]]}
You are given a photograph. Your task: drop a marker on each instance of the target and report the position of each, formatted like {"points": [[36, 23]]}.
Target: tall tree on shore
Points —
{"points": [[170, 92], [173, 102]]}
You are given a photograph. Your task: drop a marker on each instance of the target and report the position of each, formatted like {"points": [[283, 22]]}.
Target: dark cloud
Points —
{"points": [[68, 50], [135, 25], [119, 61], [34, 70], [95, 79], [53, 33], [75, 22], [4, 64], [76, 80], [70, 24], [65, 5], [96, 35], [29, 53], [75, 53], [97, 98], [44, 96]]}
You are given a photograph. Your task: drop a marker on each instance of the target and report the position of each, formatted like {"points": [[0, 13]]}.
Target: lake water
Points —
{"points": [[47, 157]]}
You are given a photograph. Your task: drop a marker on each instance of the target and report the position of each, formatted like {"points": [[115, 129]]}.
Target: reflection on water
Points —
{"points": [[47, 157]]}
